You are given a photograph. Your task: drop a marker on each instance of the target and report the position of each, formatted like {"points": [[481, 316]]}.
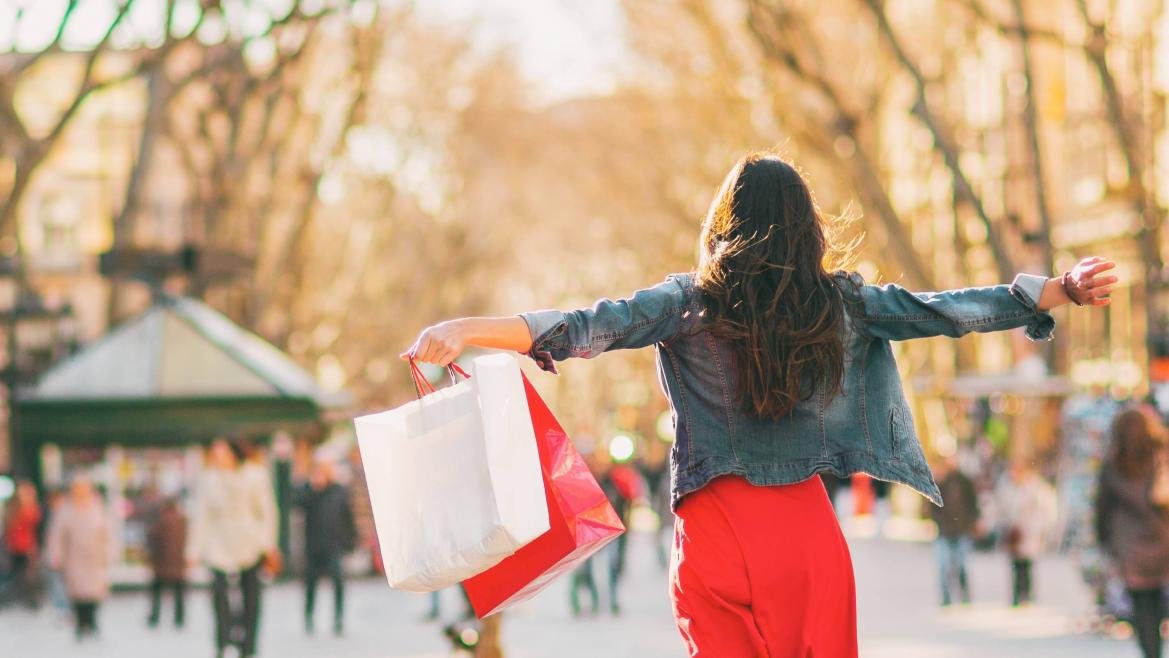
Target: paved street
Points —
{"points": [[898, 619]]}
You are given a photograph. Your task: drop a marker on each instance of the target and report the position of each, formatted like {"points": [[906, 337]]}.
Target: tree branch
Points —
{"points": [[942, 140], [843, 123], [1017, 29], [1096, 49], [88, 85], [54, 46], [1031, 125]]}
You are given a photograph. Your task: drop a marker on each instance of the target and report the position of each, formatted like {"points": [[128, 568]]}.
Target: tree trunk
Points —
{"points": [[21, 177], [1031, 126], [943, 141], [158, 98]]}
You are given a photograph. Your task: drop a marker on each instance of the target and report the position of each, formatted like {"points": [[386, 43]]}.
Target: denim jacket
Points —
{"points": [[866, 427]]}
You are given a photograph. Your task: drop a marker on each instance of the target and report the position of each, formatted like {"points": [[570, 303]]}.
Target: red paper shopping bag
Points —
{"points": [[581, 517]]}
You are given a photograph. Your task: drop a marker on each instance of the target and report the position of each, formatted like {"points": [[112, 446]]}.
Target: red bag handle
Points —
{"points": [[422, 385]]}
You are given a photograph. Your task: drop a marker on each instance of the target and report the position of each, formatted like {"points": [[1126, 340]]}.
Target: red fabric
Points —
{"points": [[21, 536], [627, 481], [762, 571], [863, 496], [582, 521]]}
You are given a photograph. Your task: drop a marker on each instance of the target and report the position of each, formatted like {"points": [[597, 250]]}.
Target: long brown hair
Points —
{"points": [[763, 278], [1137, 435]]}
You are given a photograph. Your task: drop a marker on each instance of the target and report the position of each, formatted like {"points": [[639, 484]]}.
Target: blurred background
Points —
{"points": [[229, 216]]}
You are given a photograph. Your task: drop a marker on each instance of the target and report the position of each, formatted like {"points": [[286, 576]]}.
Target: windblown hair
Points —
{"points": [[766, 290], [1137, 435]]}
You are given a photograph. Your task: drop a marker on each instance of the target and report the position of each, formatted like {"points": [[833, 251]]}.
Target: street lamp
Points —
{"points": [[36, 336]]}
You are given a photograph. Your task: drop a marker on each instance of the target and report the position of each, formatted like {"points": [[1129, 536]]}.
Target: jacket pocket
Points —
{"points": [[900, 430]]}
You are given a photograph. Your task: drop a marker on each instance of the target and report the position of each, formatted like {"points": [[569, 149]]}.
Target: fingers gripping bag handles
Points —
{"points": [[582, 521], [454, 477]]}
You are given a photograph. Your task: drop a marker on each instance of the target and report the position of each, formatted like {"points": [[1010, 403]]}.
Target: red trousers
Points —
{"points": [[762, 571]]}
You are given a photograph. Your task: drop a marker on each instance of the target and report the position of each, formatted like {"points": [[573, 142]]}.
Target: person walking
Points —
{"points": [[233, 531], [582, 577], [78, 547], [1028, 510], [956, 526], [622, 486], [1132, 518], [167, 540], [22, 530], [58, 594], [775, 369], [329, 534], [655, 472]]}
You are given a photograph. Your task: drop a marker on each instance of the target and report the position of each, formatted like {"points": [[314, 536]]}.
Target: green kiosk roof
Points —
{"points": [[180, 372]]}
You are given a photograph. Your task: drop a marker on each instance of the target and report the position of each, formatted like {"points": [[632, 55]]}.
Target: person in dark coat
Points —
{"points": [[329, 534], [1132, 526], [956, 526], [167, 539]]}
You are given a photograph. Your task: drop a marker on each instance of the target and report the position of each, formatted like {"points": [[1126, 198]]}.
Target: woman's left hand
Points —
{"points": [[439, 344], [1083, 284]]}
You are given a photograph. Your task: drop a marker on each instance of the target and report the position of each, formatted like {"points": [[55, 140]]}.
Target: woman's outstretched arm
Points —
{"points": [[893, 313], [443, 342], [648, 316]]}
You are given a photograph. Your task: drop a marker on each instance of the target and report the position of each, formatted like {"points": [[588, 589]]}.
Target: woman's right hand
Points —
{"points": [[439, 344]]}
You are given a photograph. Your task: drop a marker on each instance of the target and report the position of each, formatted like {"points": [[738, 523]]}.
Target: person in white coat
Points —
{"points": [[233, 532], [1028, 508], [79, 549]]}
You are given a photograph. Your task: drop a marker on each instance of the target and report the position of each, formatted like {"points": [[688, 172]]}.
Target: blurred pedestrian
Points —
{"points": [[79, 548], [956, 527], [329, 534], [167, 540], [655, 472], [53, 579], [1027, 508], [22, 531], [622, 485], [776, 369], [1132, 518], [233, 531], [582, 576]]}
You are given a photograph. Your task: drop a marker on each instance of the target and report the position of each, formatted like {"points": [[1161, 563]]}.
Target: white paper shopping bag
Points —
{"points": [[454, 478]]}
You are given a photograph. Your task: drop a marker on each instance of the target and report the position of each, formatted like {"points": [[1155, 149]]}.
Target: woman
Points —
{"points": [[775, 370], [1028, 511], [1132, 529], [233, 531], [79, 549]]}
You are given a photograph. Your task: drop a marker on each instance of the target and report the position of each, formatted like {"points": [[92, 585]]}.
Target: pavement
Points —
{"points": [[898, 618]]}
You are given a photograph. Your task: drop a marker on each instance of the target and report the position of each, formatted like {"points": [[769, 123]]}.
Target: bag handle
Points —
{"points": [[422, 385]]}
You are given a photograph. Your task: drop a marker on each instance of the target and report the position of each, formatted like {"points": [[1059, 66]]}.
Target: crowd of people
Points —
{"points": [[1131, 522], [62, 550], [1024, 515]]}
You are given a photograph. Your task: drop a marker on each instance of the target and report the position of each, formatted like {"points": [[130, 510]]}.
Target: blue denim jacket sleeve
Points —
{"points": [[649, 316], [893, 313]]}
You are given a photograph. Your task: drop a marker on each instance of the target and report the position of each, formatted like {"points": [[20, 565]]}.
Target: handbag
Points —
{"points": [[272, 563], [582, 521], [453, 477]]}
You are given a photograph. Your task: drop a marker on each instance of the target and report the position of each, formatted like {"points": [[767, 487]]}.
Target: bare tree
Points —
{"points": [[26, 149]]}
